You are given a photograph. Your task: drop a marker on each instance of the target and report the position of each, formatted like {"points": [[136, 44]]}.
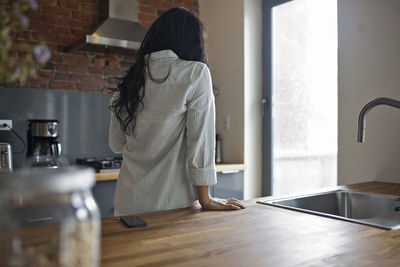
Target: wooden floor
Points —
{"points": [[257, 236]]}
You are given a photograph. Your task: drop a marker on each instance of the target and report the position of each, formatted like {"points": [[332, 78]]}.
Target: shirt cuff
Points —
{"points": [[203, 177]]}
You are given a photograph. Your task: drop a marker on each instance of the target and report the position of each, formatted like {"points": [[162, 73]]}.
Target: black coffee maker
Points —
{"points": [[43, 147]]}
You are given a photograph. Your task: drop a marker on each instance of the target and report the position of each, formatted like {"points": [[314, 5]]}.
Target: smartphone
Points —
{"points": [[133, 221]]}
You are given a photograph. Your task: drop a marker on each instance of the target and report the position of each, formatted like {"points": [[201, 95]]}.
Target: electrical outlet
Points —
{"points": [[5, 128]]}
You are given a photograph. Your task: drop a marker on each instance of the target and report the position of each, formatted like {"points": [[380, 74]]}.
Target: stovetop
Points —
{"points": [[102, 164]]}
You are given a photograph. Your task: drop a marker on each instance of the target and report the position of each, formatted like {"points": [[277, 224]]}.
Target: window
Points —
{"points": [[304, 95]]}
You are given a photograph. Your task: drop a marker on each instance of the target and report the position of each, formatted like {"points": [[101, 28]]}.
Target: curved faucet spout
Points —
{"points": [[362, 118]]}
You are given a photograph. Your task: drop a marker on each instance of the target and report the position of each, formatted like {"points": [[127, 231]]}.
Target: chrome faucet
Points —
{"points": [[362, 119]]}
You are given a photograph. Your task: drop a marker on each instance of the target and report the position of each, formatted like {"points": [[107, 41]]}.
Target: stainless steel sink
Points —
{"points": [[356, 207]]}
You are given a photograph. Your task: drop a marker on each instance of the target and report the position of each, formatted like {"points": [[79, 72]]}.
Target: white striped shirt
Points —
{"points": [[174, 142]]}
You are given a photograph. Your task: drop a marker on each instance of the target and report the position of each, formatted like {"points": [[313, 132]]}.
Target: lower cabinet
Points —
{"points": [[229, 185], [103, 193]]}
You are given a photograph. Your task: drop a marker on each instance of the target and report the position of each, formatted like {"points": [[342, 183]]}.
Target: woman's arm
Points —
{"points": [[200, 140]]}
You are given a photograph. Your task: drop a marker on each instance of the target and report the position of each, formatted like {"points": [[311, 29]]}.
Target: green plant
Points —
{"points": [[19, 60]]}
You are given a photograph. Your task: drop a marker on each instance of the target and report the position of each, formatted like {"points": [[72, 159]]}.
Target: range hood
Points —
{"points": [[119, 33]]}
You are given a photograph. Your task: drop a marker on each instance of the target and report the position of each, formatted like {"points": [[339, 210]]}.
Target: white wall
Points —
{"points": [[369, 67], [253, 96], [223, 20], [234, 45]]}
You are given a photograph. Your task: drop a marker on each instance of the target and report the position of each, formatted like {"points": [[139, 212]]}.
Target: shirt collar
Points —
{"points": [[163, 54]]}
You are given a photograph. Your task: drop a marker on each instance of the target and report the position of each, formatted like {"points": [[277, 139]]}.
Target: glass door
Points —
{"points": [[303, 95]]}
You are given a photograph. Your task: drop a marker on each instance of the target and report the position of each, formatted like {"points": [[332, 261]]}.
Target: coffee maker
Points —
{"points": [[43, 147]]}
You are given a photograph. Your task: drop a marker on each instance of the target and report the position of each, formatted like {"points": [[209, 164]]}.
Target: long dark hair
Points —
{"points": [[178, 29]]}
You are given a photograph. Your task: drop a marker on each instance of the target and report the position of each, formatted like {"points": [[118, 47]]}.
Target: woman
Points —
{"points": [[163, 122]]}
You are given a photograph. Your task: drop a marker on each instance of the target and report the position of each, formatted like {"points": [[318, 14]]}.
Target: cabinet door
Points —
{"points": [[229, 185], [103, 193]]}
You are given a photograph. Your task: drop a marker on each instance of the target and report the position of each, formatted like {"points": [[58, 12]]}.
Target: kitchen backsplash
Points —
{"points": [[62, 23], [83, 117]]}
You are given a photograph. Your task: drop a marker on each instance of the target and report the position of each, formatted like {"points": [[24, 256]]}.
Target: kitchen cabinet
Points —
{"points": [[103, 193], [230, 184]]}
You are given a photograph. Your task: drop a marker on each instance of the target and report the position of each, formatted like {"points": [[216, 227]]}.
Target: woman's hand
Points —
{"points": [[209, 203], [223, 204]]}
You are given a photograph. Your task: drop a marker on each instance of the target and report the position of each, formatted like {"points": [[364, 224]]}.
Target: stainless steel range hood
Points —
{"points": [[119, 33]]}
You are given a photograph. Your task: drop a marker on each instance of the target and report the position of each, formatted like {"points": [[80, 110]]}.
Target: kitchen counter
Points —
{"points": [[259, 235], [221, 168]]}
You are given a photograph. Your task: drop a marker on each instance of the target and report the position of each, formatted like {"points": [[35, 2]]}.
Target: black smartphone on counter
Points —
{"points": [[133, 221]]}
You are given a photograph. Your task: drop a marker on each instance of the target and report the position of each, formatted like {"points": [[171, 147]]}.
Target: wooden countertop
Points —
{"points": [[221, 168], [259, 235]]}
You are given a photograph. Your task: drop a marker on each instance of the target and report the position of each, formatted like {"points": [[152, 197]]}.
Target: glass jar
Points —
{"points": [[49, 218]]}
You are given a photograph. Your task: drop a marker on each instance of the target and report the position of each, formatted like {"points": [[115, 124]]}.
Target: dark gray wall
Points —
{"points": [[84, 119]]}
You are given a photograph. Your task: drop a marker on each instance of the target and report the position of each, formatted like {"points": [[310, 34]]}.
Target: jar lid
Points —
{"points": [[62, 180]]}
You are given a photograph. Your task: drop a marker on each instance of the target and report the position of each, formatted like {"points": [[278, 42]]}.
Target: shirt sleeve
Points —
{"points": [[200, 134], [116, 137]]}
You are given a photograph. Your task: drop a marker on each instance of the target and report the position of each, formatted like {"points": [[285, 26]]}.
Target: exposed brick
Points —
{"points": [[56, 58], [43, 18], [38, 26], [76, 23], [52, 47], [24, 35], [69, 4], [48, 2], [113, 72], [48, 66], [62, 85], [67, 76], [92, 1], [44, 73], [96, 70], [66, 39], [90, 87], [157, 3], [147, 25], [93, 79], [148, 10], [62, 48], [61, 67], [56, 10], [101, 62], [81, 69], [39, 36], [72, 59], [63, 76], [89, 7], [187, 3], [113, 63], [62, 23], [82, 15], [79, 33], [60, 30], [145, 17]]}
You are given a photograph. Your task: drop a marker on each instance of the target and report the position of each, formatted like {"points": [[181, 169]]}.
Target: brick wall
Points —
{"points": [[62, 23]]}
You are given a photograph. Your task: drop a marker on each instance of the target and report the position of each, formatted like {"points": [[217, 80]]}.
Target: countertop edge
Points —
{"points": [[221, 168]]}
